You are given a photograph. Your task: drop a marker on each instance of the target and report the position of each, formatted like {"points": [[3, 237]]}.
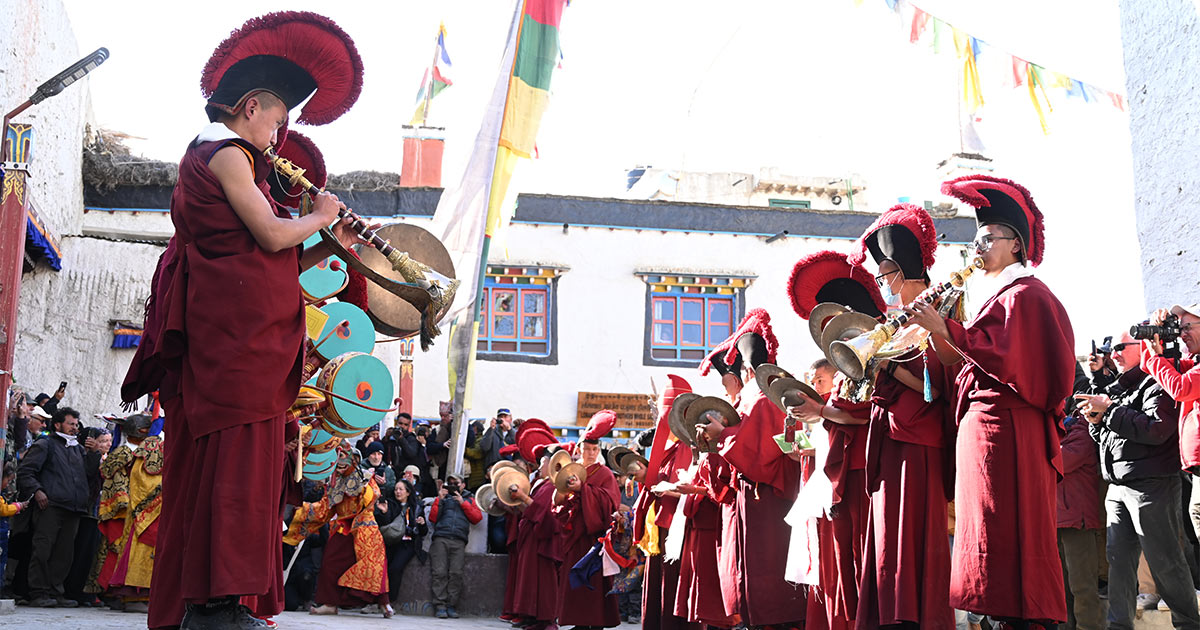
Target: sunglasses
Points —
{"points": [[1121, 346]]}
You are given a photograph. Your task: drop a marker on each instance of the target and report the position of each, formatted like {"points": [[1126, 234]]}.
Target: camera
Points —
{"points": [[1104, 348], [1168, 332], [423, 431]]}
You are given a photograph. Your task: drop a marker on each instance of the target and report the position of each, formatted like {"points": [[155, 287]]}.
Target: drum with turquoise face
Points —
{"points": [[318, 466], [318, 440], [322, 281], [356, 379], [336, 338]]}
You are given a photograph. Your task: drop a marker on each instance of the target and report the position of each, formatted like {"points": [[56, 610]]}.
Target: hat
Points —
{"points": [[510, 449], [290, 54], [828, 276], [999, 201], [752, 349], [532, 436], [301, 151], [758, 322], [412, 469], [1179, 310], [38, 412], [39, 398], [905, 235], [503, 412], [718, 363], [373, 447], [600, 425], [450, 476]]}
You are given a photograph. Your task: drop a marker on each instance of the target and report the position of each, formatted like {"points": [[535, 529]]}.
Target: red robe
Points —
{"points": [[585, 517], [841, 537], [767, 484], [1011, 391], [698, 595], [660, 578], [512, 529], [537, 556], [906, 575], [224, 340]]}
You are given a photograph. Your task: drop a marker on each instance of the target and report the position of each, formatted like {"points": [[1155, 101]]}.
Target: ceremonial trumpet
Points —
{"points": [[851, 357], [440, 289]]}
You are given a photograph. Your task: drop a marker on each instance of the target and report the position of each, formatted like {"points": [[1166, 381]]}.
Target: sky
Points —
{"points": [[812, 87]]}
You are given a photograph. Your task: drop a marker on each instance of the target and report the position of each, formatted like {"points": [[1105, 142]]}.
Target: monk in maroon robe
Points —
{"points": [[1016, 358], [537, 557], [906, 573], [512, 530], [698, 595], [586, 515], [224, 341]]}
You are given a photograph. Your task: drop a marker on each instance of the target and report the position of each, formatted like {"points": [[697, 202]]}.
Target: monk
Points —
{"points": [[224, 332], [698, 595], [537, 554], [585, 515], [1015, 360], [906, 577]]}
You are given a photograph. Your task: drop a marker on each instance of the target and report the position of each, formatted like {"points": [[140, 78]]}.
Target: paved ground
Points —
{"points": [[102, 619]]}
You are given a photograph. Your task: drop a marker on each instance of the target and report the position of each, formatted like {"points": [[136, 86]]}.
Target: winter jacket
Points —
{"points": [[452, 520], [494, 439], [1079, 488], [56, 469], [383, 470], [1138, 434], [406, 450], [1185, 389]]}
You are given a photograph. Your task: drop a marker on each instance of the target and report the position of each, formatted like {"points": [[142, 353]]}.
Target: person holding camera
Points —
{"points": [[1180, 378], [402, 524], [499, 433], [374, 468], [452, 515], [411, 448], [1135, 423]]}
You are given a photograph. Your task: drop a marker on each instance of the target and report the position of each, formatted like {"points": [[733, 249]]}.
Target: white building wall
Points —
{"points": [[1164, 98], [602, 314]]}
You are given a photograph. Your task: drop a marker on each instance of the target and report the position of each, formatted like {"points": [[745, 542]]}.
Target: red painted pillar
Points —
{"points": [[406, 375], [14, 198]]}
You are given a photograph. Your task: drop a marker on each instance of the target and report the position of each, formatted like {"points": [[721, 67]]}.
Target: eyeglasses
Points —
{"points": [[985, 242], [1121, 346], [882, 279]]}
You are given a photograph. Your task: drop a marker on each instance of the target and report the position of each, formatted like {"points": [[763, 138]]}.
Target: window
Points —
{"points": [[688, 316], [518, 322], [802, 204]]}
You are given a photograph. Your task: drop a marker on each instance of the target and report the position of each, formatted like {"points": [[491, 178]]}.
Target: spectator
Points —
{"points": [[500, 433], [372, 435], [401, 520], [412, 451], [53, 473], [438, 448], [391, 440], [1079, 523], [473, 456], [50, 403], [373, 467], [452, 515], [7, 510], [22, 428], [87, 539], [1135, 423]]}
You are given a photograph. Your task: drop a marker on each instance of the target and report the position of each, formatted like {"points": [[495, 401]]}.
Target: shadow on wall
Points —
{"points": [[483, 587]]}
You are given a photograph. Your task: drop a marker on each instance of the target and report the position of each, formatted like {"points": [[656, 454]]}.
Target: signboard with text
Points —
{"points": [[633, 411]]}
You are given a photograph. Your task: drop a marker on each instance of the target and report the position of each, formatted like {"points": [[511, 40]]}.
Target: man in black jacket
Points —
{"points": [[405, 448], [1135, 423], [53, 474]]}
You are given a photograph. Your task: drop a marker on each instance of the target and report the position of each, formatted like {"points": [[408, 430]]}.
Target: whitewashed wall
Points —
{"points": [[1164, 97], [602, 312]]}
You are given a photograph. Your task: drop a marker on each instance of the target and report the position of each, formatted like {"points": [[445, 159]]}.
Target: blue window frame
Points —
{"points": [[517, 320], [684, 327]]}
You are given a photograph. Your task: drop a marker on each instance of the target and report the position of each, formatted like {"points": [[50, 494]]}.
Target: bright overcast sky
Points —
{"points": [[814, 87]]}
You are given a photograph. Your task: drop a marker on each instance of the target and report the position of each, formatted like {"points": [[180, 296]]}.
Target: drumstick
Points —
{"points": [[299, 459]]}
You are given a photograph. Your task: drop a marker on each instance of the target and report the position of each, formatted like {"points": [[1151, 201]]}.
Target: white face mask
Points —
{"points": [[891, 299], [71, 439]]}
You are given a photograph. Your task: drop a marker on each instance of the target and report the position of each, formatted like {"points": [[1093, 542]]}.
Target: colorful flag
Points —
{"points": [[433, 85], [470, 215], [967, 47], [919, 21]]}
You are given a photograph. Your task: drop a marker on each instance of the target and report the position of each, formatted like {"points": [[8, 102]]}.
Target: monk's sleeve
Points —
{"points": [[598, 502]]}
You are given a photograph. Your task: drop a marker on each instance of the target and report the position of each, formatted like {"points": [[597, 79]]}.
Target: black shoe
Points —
{"points": [[64, 602], [224, 614], [451, 613], [43, 602]]}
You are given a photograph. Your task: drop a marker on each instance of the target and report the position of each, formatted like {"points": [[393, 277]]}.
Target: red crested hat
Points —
{"points": [[662, 431], [510, 449], [290, 54], [529, 442], [828, 277], [301, 151], [1005, 202], [600, 425], [905, 235], [530, 424], [757, 322]]}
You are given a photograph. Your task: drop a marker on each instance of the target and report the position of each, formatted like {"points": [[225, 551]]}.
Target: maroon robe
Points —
{"points": [[224, 339], [767, 484], [906, 575], [698, 595], [512, 529], [585, 517], [660, 578], [1011, 392], [842, 536], [537, 556]]}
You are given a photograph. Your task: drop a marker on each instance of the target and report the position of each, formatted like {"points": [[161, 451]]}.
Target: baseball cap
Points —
{"points": [[503, 411], [38, 412], [1193, 309], [412, 469]]}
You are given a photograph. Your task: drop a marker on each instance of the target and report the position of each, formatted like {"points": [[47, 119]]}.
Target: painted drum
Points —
{"points": [[356, 377], [318, 466], [318, 440], [322, 281], [357, 336]]}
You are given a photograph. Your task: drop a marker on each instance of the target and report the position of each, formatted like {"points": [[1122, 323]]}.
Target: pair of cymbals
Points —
{"points": [[505, 479], [783, 389], [562, 467], [689, 411], [620, 457], [500, 465], [486, 499]]}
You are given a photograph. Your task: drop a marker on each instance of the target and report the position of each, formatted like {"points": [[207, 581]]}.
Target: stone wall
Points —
{"points": [[1161, 57]]}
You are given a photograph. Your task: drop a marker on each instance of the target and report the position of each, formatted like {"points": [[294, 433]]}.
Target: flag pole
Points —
{"points": [[429, 87]]}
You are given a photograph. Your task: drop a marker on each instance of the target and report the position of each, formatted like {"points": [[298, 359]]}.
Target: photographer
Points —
{"points": [[500, 433], [409, 448], [1100, 364], [1135, 423], [452, 516], [1182, 382]]}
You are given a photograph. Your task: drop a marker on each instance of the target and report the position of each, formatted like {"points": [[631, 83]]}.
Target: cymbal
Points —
{"points": [[675, 419], [788, 392], [558, 461], [504, 480], [820, 315], [844, 327], [698, 413], [504, 463], [573, 469], [486, 499], [766, 373]]}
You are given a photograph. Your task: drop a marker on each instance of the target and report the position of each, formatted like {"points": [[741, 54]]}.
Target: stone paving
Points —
{"points": [[23, 618]]}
